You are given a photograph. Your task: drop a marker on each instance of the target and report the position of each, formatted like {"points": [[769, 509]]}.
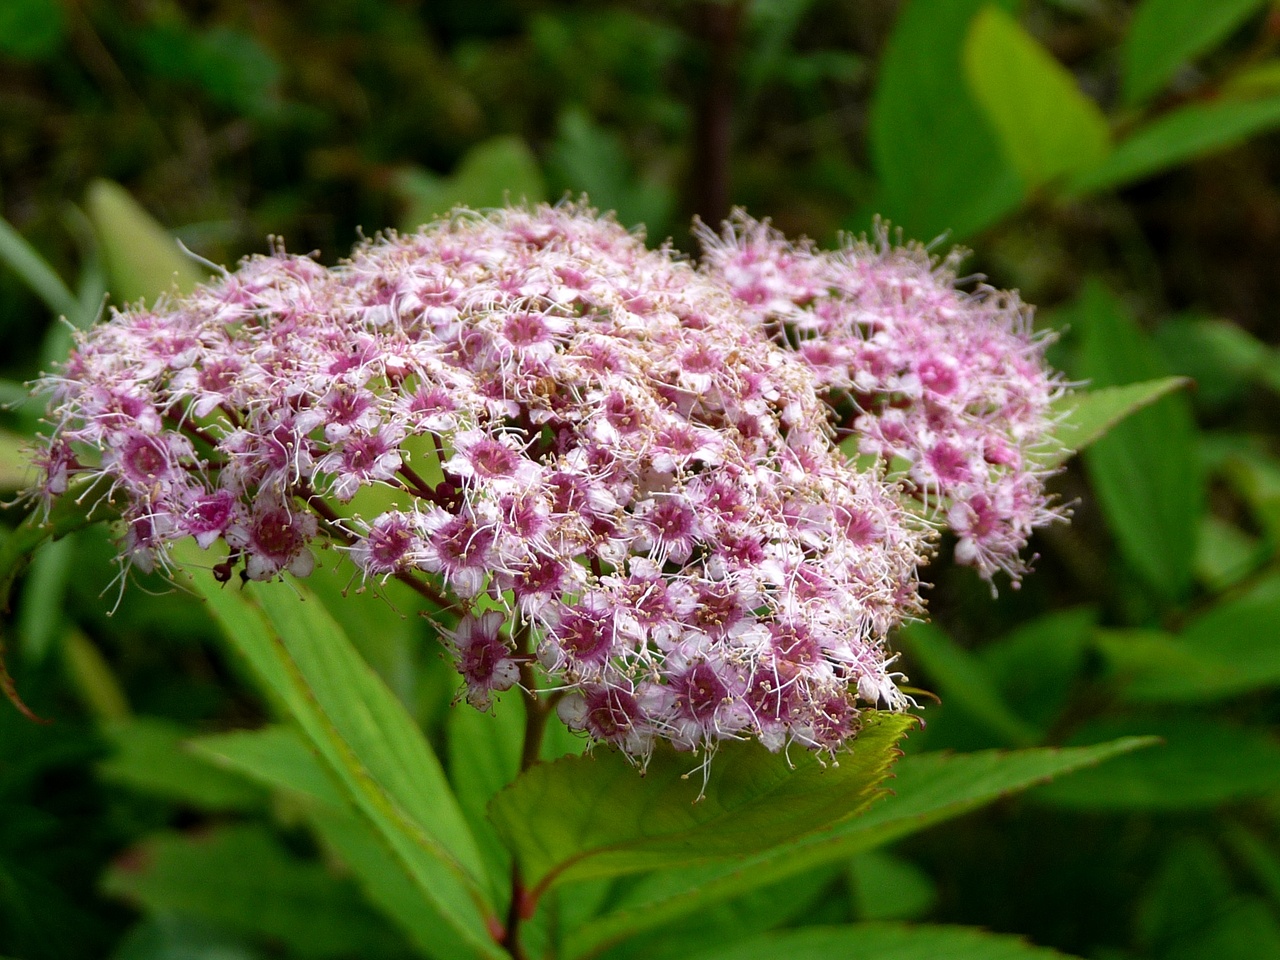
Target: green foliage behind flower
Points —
{"points": [[200, 797]]}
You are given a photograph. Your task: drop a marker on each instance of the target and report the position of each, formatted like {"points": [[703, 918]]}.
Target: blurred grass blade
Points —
{"points": [[142, 260], [1047, 127], [22, 258], [1202, 764], [279, 758], [275, 756]]}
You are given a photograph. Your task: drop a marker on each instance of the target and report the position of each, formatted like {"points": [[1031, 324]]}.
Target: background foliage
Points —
{"points": [[1115, 161]]}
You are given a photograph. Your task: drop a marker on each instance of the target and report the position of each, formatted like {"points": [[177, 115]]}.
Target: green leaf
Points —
{"points": [[1201, 764], [962, 682], [276, 756], [747, 916], [1036, 665], [1165, 34], [169, 936], [242, 877], [1219, 356], [587, 157], [1177, 137], [1225, 554], [927, 789], [142, 259], [149, 756], [921, 111], [1231, 649], [22, 258], [886, 887], [882, 941], [279, 758], [386, 768], [1145, 471], [1084, 418], [31, 29], [491, 174], [484, 756], [1048, 128], [596, 816]]}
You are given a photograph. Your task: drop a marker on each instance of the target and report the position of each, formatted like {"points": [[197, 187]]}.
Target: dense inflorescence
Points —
{"points": [[950, 388], [619, 472]]}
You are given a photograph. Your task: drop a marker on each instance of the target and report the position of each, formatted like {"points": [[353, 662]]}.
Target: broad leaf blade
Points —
{"points": [[962, 681], [1144, 472], [1165, 34], [883, 941], [921, 111], [1084, 418], [1048, 128], [276, 756], [1232, 649], [492, 173], [142, 260], [1177, 137], [1201, 764], [366, 739], [583, 817], [927, 789], [243, 877]]}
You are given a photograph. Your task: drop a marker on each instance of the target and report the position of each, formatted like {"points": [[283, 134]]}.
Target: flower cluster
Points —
{"points": [[620, 471], [948, 387]]}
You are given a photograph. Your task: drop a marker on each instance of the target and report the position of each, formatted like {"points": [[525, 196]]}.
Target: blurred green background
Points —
{"points": [[1118, 162]]}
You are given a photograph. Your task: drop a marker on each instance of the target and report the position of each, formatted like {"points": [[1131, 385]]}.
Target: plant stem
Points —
{"points": [[535, 724]]}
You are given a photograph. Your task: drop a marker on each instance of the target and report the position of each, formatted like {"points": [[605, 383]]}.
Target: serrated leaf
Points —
{"points": [[387, 769], [883, 941], [141, 258], [1177, 137], [921, 110], [595, 816], [1201, 764], [927, 789], [1048, 129], [1165, 34], [243, 877], [1084, 418], [1145, 471]]}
